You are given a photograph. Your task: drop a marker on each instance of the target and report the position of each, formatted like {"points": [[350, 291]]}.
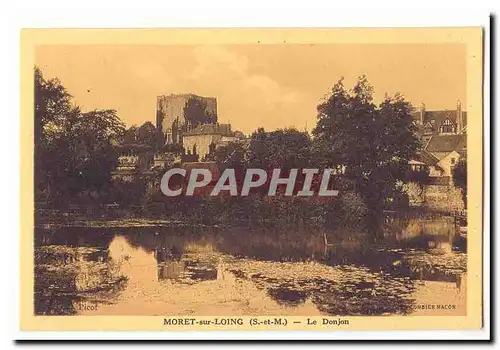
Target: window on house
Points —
{"points": [[447, 127], [452, 160]]}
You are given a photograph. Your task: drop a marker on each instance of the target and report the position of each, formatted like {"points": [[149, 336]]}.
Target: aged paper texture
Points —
{"points": [[263, 179]]}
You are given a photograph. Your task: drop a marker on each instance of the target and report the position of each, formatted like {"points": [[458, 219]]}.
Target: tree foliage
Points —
{"points": [[130, 135], [232, 155], [284, 149], [195, 112], [74, 151], [420, 177], [372, 145], [144, 135]]}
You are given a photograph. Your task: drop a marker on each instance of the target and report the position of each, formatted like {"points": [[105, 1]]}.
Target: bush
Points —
{"points": [[352, 211]]}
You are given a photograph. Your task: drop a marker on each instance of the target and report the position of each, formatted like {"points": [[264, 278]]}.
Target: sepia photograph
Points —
{"points": [[267, 182]]}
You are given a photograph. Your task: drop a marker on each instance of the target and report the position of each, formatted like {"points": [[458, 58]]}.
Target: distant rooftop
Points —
{"points": [[426, 157], [446, 143], [436, 118]]}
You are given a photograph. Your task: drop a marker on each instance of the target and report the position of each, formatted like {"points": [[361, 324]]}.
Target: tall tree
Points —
{"points": [[130, 135], [93, 137], [146, 134], [53, 109], [74, 151], [53, 114], [371, 144]]}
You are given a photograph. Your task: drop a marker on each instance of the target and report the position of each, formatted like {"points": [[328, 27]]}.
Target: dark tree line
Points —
{"points": [[142, 135], [370, 145], [74, 151]]}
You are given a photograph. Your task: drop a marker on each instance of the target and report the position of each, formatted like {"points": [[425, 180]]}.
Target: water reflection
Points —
{"points": [[171, 270], [182, 271], [187, 270], [67, 275]]}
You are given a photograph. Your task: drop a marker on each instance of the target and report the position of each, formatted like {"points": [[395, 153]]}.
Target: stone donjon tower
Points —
{"points": [[170, 120]]}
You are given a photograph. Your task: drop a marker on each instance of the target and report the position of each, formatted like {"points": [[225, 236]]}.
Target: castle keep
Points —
{"points": [[170, 119]]}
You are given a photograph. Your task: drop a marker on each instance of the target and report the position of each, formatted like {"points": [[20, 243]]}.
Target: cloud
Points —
{"points": [[210, 57], [129, 79], [247, 99]]}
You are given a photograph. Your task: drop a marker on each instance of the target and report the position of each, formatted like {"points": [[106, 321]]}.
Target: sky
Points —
{"points": [[271, 86]]}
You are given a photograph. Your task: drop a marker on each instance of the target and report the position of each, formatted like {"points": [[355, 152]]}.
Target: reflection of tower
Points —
{"points": [[135, 263], [169, 263], [171, 270], [223, 274]]}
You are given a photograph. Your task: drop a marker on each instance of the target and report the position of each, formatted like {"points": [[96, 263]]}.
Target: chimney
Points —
{"points": [[460, 122], [422, 113]]}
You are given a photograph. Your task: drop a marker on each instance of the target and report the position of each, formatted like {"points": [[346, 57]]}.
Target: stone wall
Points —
{"points": [[439, 197], [202, 143]]}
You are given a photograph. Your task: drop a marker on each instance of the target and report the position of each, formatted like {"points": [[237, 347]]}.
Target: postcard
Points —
{"points": [[252, 179]]}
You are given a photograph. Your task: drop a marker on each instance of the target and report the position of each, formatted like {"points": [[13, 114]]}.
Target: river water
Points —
{"points": [[418, 270]]}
